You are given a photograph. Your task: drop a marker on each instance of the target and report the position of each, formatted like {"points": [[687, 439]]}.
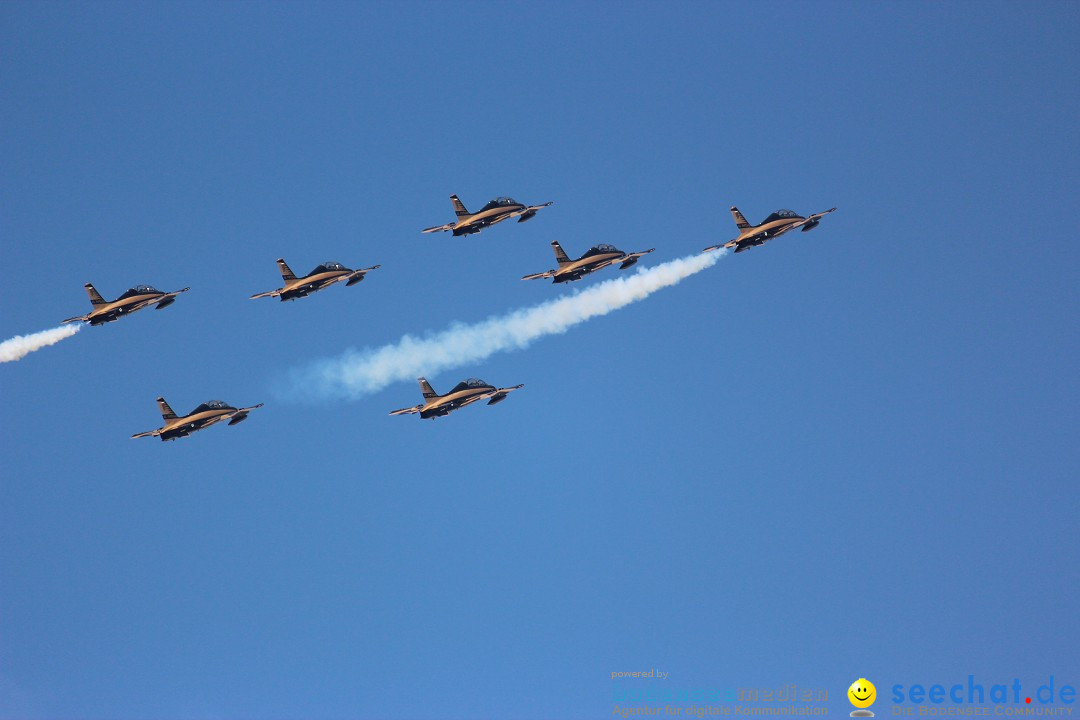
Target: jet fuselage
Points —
{"points": [[323, 276], [497, 210], [137, 298], [596, 258], [443, 405], [202, 417], [589, 264], [196, 421], [302, 287], [464, 393]]}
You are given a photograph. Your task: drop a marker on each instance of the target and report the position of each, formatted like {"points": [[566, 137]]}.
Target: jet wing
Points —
{"points": [[168, 298], [407, 411], [241, 414], [357, 275], [631, 258], [818, 216], [530, 212], [729, 244], [498, 219], [440, 228], [537, 276], [501, 394], [172, 294]]}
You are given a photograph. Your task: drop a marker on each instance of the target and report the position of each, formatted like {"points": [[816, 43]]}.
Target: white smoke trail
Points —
{"points": [[22, 345], [357, 373]]}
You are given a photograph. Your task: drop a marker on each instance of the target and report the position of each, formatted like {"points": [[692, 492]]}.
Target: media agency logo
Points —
{"points": [[862, 695]]}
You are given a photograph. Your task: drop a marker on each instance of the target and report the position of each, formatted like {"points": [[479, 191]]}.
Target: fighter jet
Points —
{"points": [[134, 299], [499, 209], [599, 256], [201, 417], [323, 276], [771, 227], [464, 393]]}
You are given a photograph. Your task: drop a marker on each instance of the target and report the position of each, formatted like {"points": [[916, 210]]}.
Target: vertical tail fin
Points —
{"points": [[95, 296], [286, 271], [459, 207], [425, 388], [740, 221], [166, 411], [560, 254]]}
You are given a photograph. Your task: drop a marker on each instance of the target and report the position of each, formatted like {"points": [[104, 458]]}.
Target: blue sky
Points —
{"points": [[850, 453]]}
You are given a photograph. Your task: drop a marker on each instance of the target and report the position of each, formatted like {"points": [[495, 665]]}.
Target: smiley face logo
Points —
{"points": [[862, 693]]}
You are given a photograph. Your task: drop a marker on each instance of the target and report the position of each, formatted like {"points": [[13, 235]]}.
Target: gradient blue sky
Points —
{"points": [[850, 453]]}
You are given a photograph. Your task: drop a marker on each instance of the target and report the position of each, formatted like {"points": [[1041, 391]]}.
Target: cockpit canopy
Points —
{"points": [[470, 383], [328, 266], [783, 215], [500, 202], [603, 248], [140, 290], [212, 405]]}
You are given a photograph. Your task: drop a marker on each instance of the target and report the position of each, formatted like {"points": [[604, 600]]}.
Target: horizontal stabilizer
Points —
{"points": [[537, 276], [78, 318], [439, 228], [729, 244], [271, 293], [148, 433], [407, 411]]}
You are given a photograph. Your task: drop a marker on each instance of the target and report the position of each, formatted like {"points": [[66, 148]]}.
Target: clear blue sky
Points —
{"points": [[850, 453]]}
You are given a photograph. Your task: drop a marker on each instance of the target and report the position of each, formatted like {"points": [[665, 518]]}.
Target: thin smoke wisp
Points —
{"points": [[357, 373], [22, 345]]}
